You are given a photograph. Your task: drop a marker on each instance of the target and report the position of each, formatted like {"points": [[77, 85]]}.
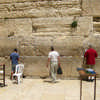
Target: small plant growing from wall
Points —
{"points": [[74, 24], [5, 18], [34, 28], [11, 34]]}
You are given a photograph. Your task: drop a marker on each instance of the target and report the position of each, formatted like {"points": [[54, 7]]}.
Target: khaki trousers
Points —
{"points": [[53, 70]]}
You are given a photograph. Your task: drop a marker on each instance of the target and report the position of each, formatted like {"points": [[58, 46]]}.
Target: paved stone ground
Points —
{"points": [[38, 89]]}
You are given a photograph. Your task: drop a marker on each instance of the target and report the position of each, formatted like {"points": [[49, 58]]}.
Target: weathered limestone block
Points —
{"points": [[7, 46], [40, 9], [61, 24], [4, 32], [43, 4], [63, 5], [40, 1], [26, 46], [35, 13], [85, 26], [58, 20], [36, 66], [11, 1], [69, 66], [97, 68], [23, 27], [15, 27], [42, 45], [91, 7], [50, 34], [69, 45], [27, 51], [96, 26], [66, 45]]}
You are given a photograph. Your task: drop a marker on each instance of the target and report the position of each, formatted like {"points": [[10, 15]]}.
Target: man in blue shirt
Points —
{"points": [[14, 60]]}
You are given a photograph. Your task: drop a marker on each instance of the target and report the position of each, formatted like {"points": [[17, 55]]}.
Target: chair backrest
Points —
{"points": [[19, 68]]}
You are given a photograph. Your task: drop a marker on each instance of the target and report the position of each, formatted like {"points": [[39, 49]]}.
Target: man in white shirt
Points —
{"points": [[54, 60]]}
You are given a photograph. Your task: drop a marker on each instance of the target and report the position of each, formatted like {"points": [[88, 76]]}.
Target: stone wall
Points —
{"points": [[33, 26], [91, 7]]}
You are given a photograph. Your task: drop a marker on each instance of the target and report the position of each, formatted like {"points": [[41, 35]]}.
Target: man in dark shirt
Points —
{"points": [[90, 56], [14, 60]]}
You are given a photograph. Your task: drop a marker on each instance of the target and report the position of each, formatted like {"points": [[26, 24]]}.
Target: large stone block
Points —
{"points": [[69, 45], [15, 27], [96, 26], [40, 9], [61, 24], [65, 45], [42, 45], [7, 46], [97, 68], [4, 32], [36, 13], [12, 1], [36, 66], [85, 26], [23, 27], [27, 46], [91, 7]]}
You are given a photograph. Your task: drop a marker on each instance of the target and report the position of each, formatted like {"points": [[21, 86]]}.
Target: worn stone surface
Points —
{"points": [[53, 24], [36, 66], [69, 45], [15, 27], [39, 89], [40, 9], [91, 7], [85, 25], [7, 46]]}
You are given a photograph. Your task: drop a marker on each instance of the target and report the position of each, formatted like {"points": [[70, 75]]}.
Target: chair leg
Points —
{"points": [[18, 78]]}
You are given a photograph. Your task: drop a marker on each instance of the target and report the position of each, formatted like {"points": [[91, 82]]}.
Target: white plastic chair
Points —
{"points": [[19, 72]]}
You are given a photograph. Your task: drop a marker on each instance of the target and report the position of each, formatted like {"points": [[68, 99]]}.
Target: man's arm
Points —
{"points": [[10, 57], [96, 55], [48, 62], [84, 59], [18, 57], [58, 60]]}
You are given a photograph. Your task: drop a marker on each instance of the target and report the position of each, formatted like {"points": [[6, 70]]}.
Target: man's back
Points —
{"points": [[14, 57], [54, 56], [90, 55]]}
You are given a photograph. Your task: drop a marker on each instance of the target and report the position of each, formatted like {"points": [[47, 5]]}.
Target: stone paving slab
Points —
{"points": [[38, 89]]}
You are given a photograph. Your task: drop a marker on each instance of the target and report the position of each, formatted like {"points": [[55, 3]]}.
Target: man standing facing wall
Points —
{"points": [[89, 57], [14, 60], [54, 60]]}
